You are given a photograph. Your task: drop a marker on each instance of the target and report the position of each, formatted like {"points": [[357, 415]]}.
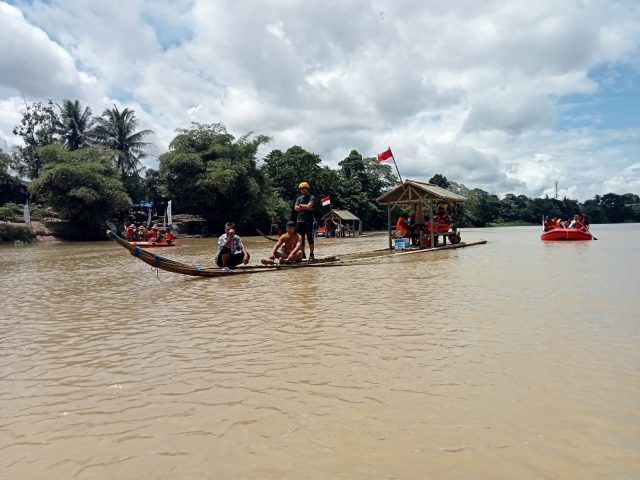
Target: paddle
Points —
{"points": [[112, 227], [266, 236]]}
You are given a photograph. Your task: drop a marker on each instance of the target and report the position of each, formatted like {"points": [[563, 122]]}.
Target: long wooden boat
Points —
{"points": [[174, 266], [358, 258], [566, 234]]}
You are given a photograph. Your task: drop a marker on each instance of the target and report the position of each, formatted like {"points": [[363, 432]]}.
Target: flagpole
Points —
{"points": [[397, 170]]}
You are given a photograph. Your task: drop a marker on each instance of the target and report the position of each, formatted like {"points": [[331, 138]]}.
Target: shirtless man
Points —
{"points": [[288, 248]]}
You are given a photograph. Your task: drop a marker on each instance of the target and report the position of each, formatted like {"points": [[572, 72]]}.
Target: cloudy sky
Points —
{"points": [[508, 96]]}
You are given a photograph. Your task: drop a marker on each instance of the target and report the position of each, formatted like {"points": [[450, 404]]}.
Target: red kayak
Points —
{"points": [[566, 234], [154, 244]]}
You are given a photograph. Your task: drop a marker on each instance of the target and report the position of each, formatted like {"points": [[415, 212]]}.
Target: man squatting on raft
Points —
{"points": [[231, 250], [288, 248]]}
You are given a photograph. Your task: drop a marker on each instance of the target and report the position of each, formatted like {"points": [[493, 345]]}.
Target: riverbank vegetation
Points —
{"points": [[87, 169], [15, 233]]}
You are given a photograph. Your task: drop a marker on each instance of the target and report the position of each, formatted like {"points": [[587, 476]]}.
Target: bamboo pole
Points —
{"points": [[389, 224], [432, 236]]}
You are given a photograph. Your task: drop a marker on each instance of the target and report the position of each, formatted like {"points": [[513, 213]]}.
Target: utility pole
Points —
{"points": [[556, 182]]}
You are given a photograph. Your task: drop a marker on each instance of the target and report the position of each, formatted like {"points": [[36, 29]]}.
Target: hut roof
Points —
{"points": [[412, 191], [341, 214]]}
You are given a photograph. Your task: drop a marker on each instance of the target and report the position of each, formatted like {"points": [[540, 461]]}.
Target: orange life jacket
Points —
{"points": [[401, 226]]}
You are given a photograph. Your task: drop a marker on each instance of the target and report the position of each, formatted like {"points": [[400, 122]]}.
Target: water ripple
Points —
{"points": [[439, 362]]}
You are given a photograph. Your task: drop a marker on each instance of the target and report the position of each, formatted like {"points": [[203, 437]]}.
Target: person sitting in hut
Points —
{"points": [[402, 227], [288, 248], [443, 220], [338, 230], [328, 227]]}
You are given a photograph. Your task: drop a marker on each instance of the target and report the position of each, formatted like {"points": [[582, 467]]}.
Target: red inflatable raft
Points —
{"points": [[566, 234], [154, 244]]}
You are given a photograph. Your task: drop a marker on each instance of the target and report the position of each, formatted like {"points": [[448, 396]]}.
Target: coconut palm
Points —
{"points": [[75, 124], [117, 131]]}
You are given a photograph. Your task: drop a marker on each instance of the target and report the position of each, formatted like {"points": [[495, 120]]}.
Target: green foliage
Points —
{"points": [[362, 181], [210, 173], [286, 170], [116, 130], [480, 209], [355, 186], [38, 127], [14, 212], [82, 187], [74, 124], [9, 185], [440, 180]]}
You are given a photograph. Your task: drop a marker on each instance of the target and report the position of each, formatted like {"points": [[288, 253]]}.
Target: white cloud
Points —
{"points": [[469, 88], [32, 64]]}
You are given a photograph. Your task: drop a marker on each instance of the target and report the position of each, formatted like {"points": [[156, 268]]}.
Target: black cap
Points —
{"points": [[291, 223]]}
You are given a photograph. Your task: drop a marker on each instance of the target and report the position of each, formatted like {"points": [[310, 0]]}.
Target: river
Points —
{"points": [[517, 359]]}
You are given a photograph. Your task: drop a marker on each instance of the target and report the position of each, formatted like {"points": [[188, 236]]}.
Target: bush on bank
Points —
{"points": [[13, 233], [14, 212]]}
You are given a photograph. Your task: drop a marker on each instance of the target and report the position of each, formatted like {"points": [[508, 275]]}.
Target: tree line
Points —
{"points": [[86, 169]]}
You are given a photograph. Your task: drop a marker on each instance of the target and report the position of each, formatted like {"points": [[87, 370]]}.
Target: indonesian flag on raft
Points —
{"points": [[326, 201], [386, 155]]}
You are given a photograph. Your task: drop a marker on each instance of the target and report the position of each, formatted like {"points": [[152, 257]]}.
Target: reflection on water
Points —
{"points": [[517, 359]]}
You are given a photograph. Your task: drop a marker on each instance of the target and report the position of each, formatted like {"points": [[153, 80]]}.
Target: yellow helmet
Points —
{"points": [[303, 185]]}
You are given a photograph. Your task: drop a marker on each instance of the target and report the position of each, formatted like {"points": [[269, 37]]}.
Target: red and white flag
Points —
{"points": [[386, 155], [326, 201]]}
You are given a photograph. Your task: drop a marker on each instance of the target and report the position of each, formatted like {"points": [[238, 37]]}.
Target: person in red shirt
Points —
{"points": [[442, 220], [169, 236], [129, 232], [152, 233], [549, 223], [402, 226]]}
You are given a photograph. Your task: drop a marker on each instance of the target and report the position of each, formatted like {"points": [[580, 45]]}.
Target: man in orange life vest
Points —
{"points": [[169, 236], [402, 226]]}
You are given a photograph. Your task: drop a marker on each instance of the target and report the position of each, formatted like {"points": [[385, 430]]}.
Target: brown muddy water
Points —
{"points": [[514, 360]]}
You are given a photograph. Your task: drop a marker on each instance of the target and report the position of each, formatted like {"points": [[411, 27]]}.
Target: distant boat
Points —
{"points": [[566, 234], [163, 243]]}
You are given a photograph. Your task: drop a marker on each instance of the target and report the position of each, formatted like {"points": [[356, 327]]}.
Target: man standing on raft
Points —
{"points": [[304, 206]]}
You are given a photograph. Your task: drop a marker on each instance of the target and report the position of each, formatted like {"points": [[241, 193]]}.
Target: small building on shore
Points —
{"points": [[345, 218]]}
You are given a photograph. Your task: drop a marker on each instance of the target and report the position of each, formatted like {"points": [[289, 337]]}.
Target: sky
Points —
{"points": [[507, 96]]}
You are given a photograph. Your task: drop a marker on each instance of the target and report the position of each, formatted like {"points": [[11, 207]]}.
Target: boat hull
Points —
{"points": [[566, 234], [153, 245]]}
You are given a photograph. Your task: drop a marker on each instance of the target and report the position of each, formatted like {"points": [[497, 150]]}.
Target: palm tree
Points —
{"points": [[116, 130], [75, 124]]}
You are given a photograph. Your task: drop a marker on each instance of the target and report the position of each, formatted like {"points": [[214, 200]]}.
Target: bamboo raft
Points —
{"points": [[163, 263]]}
